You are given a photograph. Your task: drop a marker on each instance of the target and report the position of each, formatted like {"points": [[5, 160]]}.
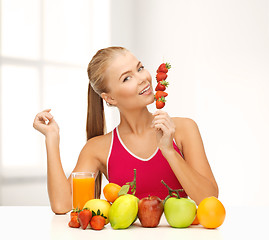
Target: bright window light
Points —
{"points": [[20, 30], [20, 102]]}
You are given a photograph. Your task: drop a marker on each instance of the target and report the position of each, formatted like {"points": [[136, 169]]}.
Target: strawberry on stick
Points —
{"points": [[161, 76], [160, 103], [164, 67], [159, 94], [161, 86]]}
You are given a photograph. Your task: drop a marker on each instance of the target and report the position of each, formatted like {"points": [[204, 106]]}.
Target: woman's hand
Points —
{"points": [[45, 123], [165, 130]]}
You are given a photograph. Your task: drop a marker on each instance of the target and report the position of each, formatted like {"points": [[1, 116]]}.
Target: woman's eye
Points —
{"points": [[141, 68], [125, 79]]}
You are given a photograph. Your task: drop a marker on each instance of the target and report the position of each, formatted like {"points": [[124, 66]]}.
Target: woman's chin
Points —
{"points": [[151, 100]]}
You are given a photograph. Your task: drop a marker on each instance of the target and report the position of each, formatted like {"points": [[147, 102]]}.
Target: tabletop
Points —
{"points": [[41, 223]]}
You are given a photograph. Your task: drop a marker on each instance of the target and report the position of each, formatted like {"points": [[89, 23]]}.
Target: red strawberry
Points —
{"points": [[160, 103], [160, 94], [74, 212], [97, 222], [161, 76], [84, 218], [161, 86], [164, 67], [74, 223]]}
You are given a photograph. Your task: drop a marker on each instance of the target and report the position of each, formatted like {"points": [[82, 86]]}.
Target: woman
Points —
{"points": [[158, 146]]}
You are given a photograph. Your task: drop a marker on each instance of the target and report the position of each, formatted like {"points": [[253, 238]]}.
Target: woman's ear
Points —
{"points": [[109, 100]]}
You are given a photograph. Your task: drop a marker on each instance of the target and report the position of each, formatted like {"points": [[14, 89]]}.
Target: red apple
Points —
{"points": [[150, 210]]}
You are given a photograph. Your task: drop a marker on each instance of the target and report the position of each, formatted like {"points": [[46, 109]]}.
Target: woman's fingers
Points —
{"points": [[164, 122], [48, 115], [158, 112], [161, 114], [161, 121], [45, 123], [166, 128], [42, 118], [165, 119], [162, 127]]}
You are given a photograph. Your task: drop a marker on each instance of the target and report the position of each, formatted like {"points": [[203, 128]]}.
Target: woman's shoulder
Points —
{"points": [[185, 129], [98, 142], [184, 123], [98, 147], [184, 126]]}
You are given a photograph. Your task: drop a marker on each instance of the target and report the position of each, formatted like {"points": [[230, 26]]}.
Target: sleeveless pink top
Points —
{"points": [[149, 172]]}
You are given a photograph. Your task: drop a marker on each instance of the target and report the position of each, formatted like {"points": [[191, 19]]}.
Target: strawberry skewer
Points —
{"points": [[161, 85]]}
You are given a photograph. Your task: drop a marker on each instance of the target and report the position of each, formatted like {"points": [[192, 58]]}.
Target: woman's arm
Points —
{"points": [[193, 172], [59, 187]]}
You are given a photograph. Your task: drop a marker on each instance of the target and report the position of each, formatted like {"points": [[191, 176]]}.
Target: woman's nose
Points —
{"points": [[141, 78]]}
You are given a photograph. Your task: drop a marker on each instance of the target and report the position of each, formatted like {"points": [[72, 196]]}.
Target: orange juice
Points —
{"points": [[82, 189]]}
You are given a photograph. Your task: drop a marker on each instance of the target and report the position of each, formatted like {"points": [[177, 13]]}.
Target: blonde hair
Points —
{"points": [[95, 125]]}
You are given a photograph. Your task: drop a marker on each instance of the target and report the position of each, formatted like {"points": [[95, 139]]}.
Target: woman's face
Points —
{"points": [[129, 83]]}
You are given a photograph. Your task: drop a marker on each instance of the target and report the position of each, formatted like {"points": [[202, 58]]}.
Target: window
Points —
{"points": [[45, 47]]}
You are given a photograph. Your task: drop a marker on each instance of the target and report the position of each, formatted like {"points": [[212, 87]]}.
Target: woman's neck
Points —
{"points": [[135, 122]]}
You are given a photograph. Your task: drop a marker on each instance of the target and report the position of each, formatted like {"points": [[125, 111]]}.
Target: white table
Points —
{"points": [[42, 223]]}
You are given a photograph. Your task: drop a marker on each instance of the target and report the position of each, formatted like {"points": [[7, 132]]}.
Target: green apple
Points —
{"points": [[179, 212]]}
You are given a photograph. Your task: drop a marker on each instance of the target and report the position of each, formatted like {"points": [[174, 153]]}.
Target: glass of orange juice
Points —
{"points": [[82, 188]]}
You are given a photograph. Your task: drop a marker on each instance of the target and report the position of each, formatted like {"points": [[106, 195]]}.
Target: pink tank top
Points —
{"points": [[149, 172]]}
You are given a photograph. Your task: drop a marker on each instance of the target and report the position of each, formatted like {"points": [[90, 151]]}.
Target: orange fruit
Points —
{"points": [[195, 221], [111, 191], [211, 212]]}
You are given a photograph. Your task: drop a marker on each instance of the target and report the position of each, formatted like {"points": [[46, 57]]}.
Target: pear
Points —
{"points": [[123, 211]]}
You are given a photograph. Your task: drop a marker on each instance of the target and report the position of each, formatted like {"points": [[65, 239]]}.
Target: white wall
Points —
{"points": [[219, 51]]}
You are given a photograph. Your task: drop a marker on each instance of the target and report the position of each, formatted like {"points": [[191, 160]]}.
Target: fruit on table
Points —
{"points": [[179, 212], [101, 204], [84, 218], [129, 186], [195, 221], [111, 191], [97, 222], [150, 210], [123, 211], [74, 223], [74, 212], [211, 212]]}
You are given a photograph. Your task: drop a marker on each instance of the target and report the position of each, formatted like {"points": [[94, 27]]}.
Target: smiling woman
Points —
{"points": [[157, 146], [127, 88]]}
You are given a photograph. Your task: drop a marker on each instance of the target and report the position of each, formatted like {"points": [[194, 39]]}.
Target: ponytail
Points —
{"points": [[95, 115], [95, 126]]}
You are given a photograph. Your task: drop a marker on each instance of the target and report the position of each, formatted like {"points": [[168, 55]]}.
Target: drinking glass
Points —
{"points": [[82, 188]]}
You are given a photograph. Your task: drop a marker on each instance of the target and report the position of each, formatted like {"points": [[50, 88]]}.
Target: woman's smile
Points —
{"points": [[146, 91]]}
